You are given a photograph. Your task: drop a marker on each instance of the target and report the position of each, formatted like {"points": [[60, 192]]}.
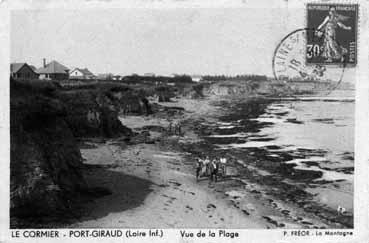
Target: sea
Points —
{"points": [[313, 133]]}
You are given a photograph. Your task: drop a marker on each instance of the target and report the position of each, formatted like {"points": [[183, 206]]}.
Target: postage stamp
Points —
{"points": [[335, 38]]}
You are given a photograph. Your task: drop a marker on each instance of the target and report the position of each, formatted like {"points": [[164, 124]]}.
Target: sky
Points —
{"points": [[200, 41], [162, 41]]}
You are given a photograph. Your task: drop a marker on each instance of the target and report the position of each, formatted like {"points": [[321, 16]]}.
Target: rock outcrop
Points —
{"points": [[194, 91], [230, 88], [164, 93], [128, 101], [45, 166], [272, 88], [90, 113], [45, 161]]}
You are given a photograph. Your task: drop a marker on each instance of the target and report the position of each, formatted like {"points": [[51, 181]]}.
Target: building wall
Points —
{"points": [[76, 74], [54, 76], [25, 73], [79, 75], [59, 76]]}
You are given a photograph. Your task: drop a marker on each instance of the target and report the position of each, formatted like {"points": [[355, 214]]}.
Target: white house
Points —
{"points": [[81, 73], [196, 78]]}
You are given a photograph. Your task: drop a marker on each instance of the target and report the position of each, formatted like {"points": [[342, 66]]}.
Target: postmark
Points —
{"points": [[335, 35], [289, 61]]}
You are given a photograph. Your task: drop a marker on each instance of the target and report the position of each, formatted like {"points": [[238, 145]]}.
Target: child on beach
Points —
{"points": [[223, 163]]}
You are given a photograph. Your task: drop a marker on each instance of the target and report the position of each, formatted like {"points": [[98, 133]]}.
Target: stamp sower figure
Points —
{"points": [[331, 49]]}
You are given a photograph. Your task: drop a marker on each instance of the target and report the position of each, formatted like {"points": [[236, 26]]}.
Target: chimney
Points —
{"points": [[44, 60]]}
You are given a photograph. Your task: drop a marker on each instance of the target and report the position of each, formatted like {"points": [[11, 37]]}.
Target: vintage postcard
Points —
{"points": [[185, 121]]}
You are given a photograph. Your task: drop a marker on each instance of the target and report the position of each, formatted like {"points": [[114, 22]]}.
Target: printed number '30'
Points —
{"points": [[313, 51]]}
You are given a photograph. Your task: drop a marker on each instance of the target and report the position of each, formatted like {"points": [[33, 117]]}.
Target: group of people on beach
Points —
{"points": [[211, 167], [175, 128]]}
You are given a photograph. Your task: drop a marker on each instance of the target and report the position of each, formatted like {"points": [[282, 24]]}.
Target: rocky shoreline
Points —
{"points": [[277, 183], [124, 174]]}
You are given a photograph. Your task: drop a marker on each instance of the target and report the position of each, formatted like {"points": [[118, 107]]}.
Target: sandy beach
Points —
{"points": [[153, 184], [154, 188]]}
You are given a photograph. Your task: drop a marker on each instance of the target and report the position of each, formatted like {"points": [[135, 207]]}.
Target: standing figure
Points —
{"points": [[214, 166], [199, 167], [177, 128], [331, 48], [223, 163], [207, 166]]}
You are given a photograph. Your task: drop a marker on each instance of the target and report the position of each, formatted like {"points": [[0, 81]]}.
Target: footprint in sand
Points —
{"points": [[285, 212], [192, 193], [307, 223], [210, 206], [273, 221], [245, 212], [175, 183], [188, 207]]}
